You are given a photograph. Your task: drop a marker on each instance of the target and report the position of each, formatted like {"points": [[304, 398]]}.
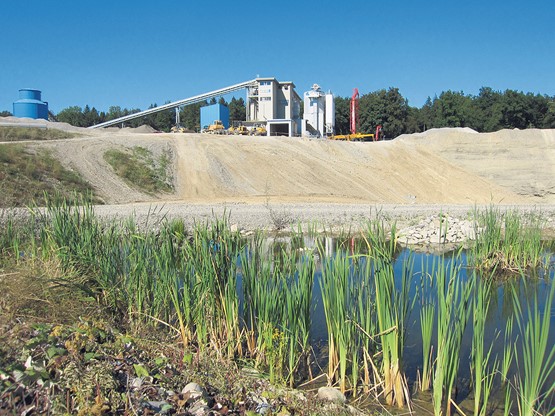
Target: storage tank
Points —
{"points": [[30, 105], [330, 114]]}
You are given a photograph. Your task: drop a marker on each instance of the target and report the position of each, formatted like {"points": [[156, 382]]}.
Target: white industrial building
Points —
{"points": [[319, 113], [276, 105]]}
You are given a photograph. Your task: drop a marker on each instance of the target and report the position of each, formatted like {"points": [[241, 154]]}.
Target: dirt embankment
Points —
{"points": [[441, 168]]}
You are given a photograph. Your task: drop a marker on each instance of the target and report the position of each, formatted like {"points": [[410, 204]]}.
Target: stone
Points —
{"points": [[331, 394], [194, 390]]}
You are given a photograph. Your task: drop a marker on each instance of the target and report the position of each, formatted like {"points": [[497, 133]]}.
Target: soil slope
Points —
{"points": [[440, 166]]}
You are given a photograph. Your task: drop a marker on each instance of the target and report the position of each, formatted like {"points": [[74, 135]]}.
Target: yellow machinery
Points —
{"points": [[216, 128], [258, 131], [242, 130], [353, 137], [361, 137], [178, 129]]}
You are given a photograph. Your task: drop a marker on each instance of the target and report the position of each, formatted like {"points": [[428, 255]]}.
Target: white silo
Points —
{"points": [[319, 113], [330, 114]]}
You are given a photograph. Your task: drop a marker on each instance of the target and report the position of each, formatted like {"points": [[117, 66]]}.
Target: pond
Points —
{"points": [[509, 299]]}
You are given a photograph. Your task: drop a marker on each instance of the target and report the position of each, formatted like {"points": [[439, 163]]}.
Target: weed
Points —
{"points": [[141, 169]]}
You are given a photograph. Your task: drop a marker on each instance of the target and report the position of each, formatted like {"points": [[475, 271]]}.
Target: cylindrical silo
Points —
{"points": [[330, 114], [30, 105]]}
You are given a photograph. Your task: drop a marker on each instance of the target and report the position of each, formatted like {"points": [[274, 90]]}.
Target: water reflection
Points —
{"points": [[503, 296]]}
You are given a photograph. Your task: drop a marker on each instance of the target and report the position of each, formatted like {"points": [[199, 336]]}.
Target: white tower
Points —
{"points": [[319, 113]]}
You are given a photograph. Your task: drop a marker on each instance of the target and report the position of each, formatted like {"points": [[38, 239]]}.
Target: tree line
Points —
{"points": [[163, 121], [488, 111]]}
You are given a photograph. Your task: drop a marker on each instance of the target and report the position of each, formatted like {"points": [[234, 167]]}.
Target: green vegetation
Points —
{"points": [[162, 121], [453, 312], [506, 243], [484, 366], [26, 176], [12, 134], [209, 293], [139, 168], [536, 358]]}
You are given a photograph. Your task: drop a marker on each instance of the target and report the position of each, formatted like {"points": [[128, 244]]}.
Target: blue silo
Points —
{"points": [[30, 105]]}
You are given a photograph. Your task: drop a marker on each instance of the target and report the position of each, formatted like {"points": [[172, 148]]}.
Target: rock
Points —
{"points": [[331, 394], [200, 409], [192, 387], [194, 390], [263, 408]]}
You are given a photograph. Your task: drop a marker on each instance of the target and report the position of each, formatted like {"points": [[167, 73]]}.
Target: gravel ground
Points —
{"points": [[337, 216]]}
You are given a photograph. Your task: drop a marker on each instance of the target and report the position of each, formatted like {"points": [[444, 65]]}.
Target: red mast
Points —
{"points": [[354, 111]]}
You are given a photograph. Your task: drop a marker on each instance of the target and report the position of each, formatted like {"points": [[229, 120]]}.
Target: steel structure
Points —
{"points": [[354, 111], [180, 103]]}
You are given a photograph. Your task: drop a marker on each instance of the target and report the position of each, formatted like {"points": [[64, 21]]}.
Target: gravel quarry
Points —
{"points": [[276, 182]]}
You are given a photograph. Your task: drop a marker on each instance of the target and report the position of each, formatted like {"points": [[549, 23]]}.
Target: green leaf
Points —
{"points": [[140, 370], [53, 352], [90, 355]]}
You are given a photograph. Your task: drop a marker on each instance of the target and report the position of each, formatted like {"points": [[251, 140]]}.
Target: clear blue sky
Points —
{"points": [[136, 53]]}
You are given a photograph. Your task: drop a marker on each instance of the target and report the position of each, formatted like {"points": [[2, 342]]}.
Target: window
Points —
{"points": [[264, 98]]}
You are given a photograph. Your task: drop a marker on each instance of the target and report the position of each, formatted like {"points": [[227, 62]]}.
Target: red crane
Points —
{"points": [[353, 116], [353, 119]]}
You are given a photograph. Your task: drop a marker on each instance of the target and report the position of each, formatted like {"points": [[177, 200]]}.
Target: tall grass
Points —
{"points": [[536, 359], [427, 325], [506, 242], [336, 290], [484, 366], [190, 280], [277, 313], [453, 298], [392, 308]]}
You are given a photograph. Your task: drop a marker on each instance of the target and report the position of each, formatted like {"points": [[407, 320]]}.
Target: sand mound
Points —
{"points": [[440, 166]]}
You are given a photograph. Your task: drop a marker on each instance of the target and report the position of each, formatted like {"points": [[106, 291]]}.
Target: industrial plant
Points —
{"points": [[273, 108]]}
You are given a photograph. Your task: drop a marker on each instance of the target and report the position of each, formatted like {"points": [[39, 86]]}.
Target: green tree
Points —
{"points": [[386, 108], [342, 108], [5, 114], [237, 110], [487, 106], [72, 115], [453, 109], [190, 116], [549, 119]]}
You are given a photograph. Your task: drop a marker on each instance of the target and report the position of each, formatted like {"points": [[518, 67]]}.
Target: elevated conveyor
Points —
{"points": [[180, 103]]}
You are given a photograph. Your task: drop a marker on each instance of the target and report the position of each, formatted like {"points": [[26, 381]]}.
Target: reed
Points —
{"points": [[506, 242], [427, 314], [212, 254], [536, 360], [336, 295], [278, 300], [392, 305], [484, 366], [453, 312]]}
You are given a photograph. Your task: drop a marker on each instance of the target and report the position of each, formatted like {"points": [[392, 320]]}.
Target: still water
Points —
{"points": [[502, 307]]}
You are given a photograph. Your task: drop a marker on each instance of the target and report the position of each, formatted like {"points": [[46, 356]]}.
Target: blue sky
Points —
{"points": [[136, 53]]}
